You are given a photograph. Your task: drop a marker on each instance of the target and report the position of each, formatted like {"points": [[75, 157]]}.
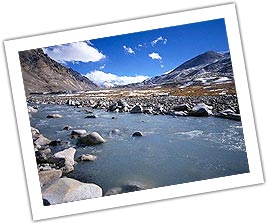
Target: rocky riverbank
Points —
{"points": [[53, 167], [222, 106]]}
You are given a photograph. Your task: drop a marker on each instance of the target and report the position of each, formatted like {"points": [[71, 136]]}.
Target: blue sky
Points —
{"points": [[134, 57]]}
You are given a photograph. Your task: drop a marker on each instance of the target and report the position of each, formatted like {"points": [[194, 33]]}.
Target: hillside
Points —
{"points": [[42, 74]]}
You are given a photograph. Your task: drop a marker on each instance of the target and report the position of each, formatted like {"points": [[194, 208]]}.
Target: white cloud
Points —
{"points": [[128, 50], [109, 80], [154, 42], [102, 67], [74, 52], [155, 56], [161, 66]]}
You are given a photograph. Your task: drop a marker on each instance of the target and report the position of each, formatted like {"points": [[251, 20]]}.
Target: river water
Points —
{"points": [[173, 150]]}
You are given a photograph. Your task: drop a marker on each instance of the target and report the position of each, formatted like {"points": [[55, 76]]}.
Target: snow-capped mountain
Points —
{"points": [[205, 68]]}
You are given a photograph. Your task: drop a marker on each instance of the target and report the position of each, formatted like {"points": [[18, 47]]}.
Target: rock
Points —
{"points": [[56, 142], [113, 117], [148, 111], [87, 157], [54, 116], [137, 134], [46, 151], [78, 132], [114, 190], [67, 127], [44, 167], [129, 187], [32, 109], [35, 133], [47, 177], [41, 157], [122, 103], [91, 139], [88, 111], [68, 155], [42, 141], [91, 116], [229, 114], [113, 107], [56, 162], [115, 132], [137, 109], [182, 107], [201, 110], [66, 190], [179, 113]]}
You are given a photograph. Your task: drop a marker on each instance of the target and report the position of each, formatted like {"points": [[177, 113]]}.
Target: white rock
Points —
{"points": [[66, 190], [68, 155]]}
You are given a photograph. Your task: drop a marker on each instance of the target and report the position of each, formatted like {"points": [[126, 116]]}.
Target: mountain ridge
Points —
{"points": [[209, 67], [42, 74]]}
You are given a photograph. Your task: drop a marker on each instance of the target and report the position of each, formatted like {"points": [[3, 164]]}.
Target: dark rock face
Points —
{"points": [[42, 74]]}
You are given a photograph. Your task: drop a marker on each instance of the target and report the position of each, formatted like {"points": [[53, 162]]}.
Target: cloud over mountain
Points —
{"points": [[109, 80]]}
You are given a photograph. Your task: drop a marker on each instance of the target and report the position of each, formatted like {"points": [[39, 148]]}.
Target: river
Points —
{"points": [[173, 150]]}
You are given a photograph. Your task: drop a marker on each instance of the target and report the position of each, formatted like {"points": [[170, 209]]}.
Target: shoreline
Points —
{"points": [[222, 106]]}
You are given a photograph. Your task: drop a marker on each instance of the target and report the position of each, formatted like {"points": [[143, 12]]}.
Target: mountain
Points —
{"points": [[206, 68], [42, 74]]}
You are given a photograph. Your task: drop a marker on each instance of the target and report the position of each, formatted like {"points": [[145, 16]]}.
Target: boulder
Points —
{"points": [[201, 110], [113, 107], [148, 111], [181, 107], [32, 109], [47, 177], [54, 116], [229, 114], [137, 134], [179, 113], [67, 190], [114, 190], [91, 116], [41, 141], [88, 111], [91, 139], [129, 187], [68, 155], [78, 132], [87, 157], [35, 133], [137, 109], [67, 127], [56, 142], [122, 103], [115, 132]]}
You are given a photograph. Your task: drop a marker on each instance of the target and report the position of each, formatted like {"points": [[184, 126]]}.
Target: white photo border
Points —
{"points": [[228, 12]]}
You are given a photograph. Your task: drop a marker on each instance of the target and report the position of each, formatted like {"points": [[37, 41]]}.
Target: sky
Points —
{"points": [[134, 57]]}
